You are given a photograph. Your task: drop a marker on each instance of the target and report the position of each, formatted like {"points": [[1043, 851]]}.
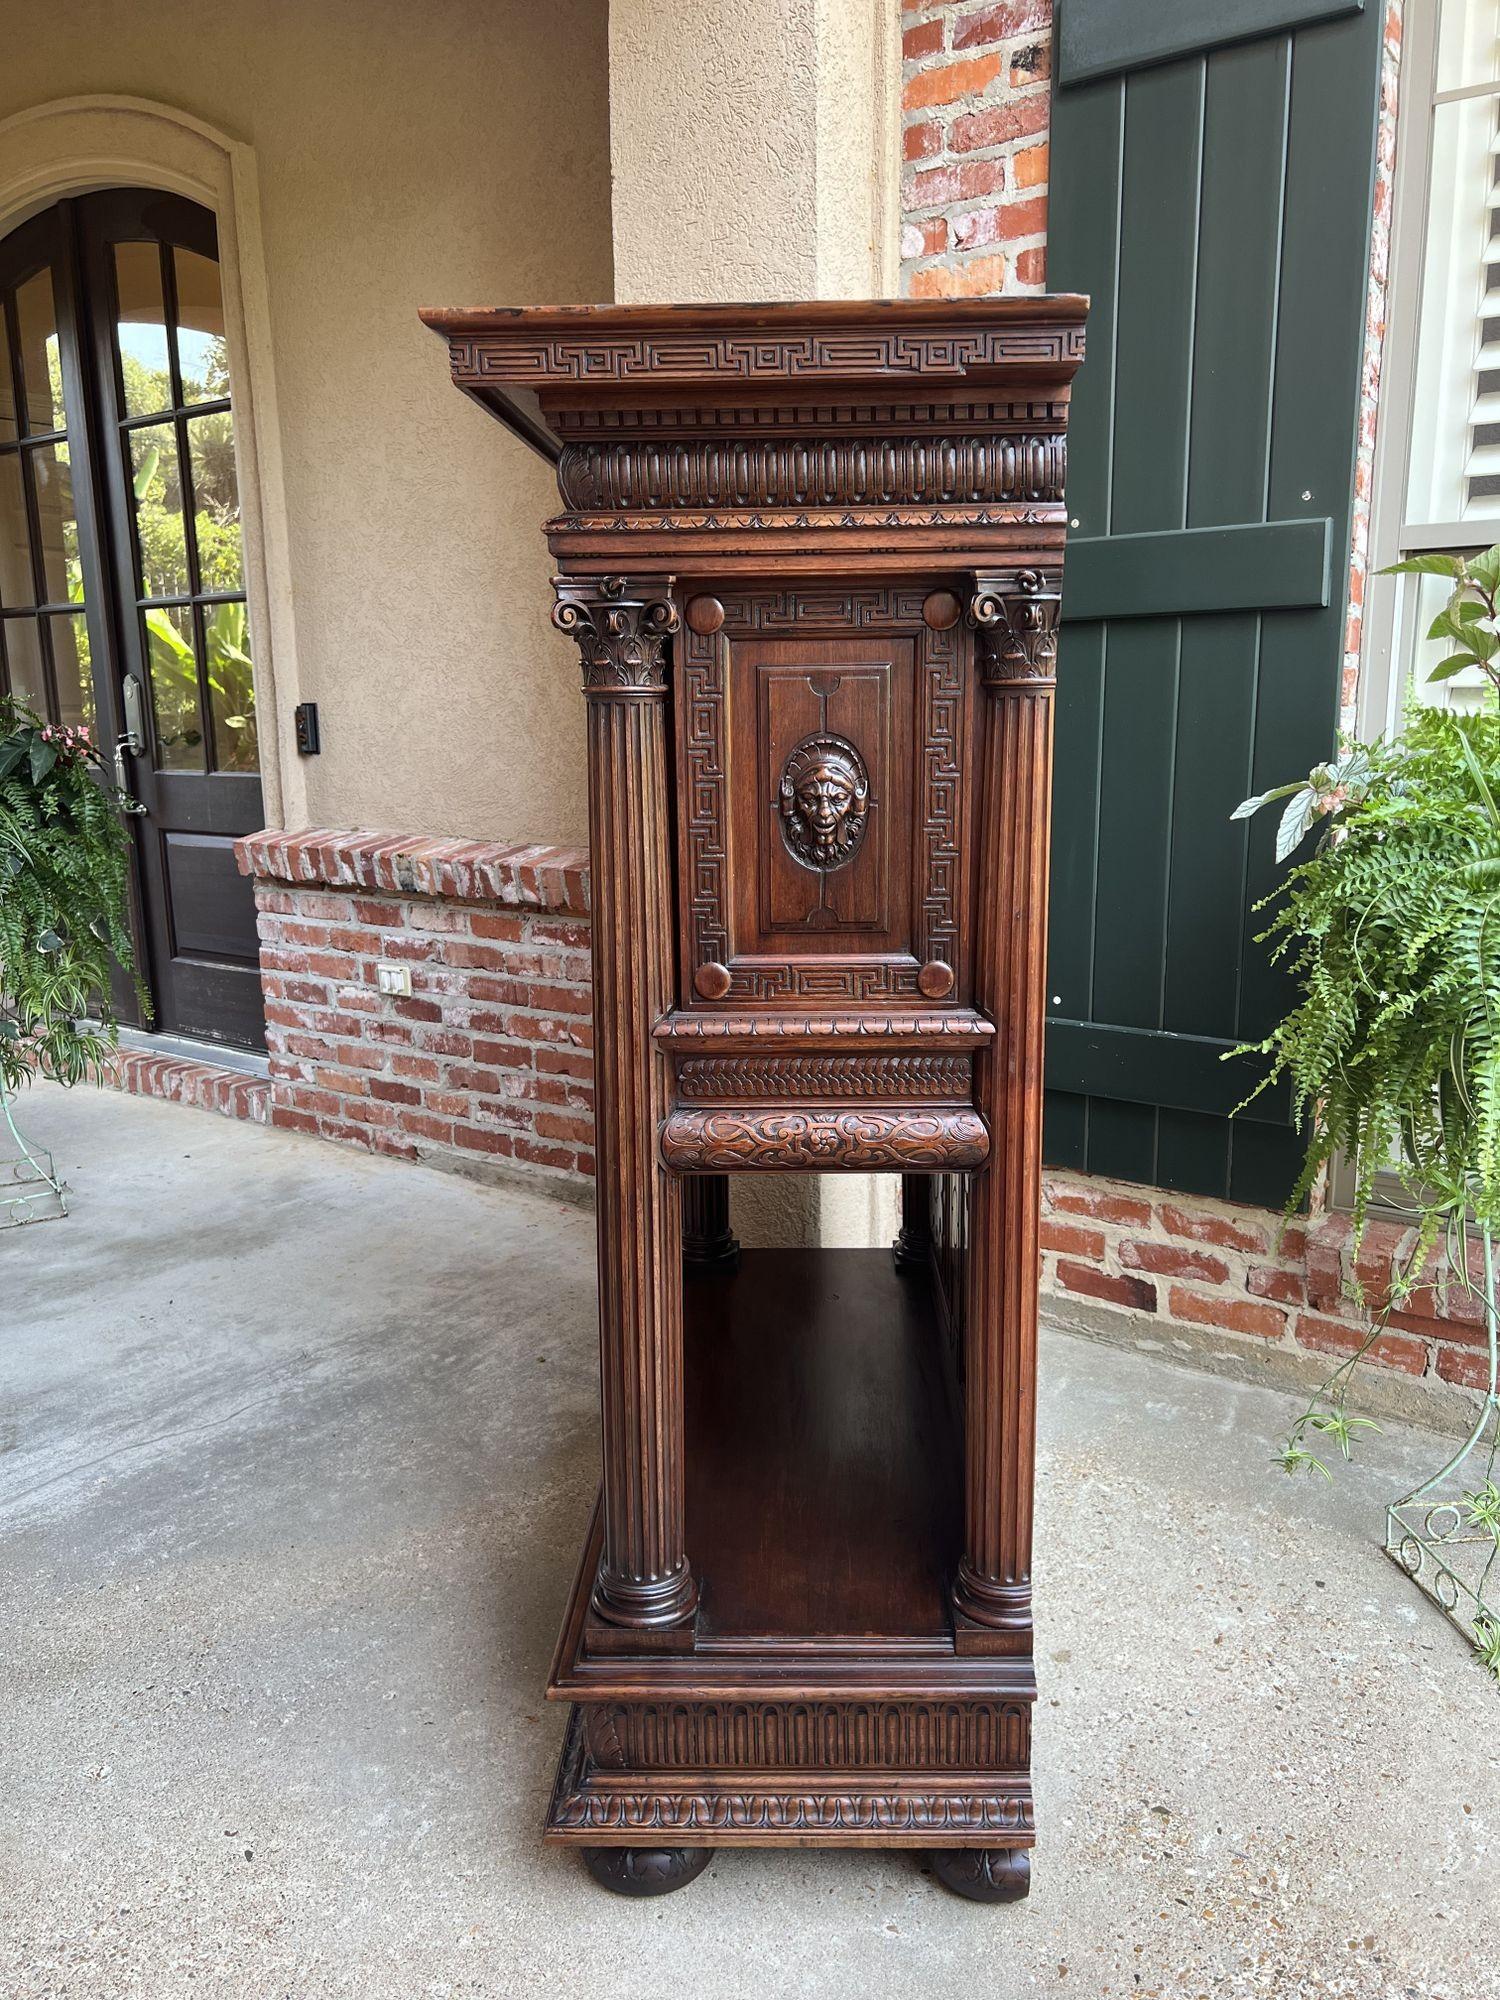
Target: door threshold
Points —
{"points": [[218, 1055]]}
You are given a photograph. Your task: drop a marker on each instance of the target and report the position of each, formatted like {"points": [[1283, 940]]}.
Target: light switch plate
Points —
{"points": [[393, 979]]}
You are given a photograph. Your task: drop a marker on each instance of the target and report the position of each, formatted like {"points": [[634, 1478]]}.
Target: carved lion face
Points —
{"points": [[824, 801]]}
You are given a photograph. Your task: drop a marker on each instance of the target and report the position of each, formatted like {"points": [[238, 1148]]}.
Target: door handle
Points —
{"points": [[131, 738]]}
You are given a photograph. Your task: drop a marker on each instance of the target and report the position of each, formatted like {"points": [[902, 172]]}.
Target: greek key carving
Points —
{"points": [[621, 629], [522, 355]]}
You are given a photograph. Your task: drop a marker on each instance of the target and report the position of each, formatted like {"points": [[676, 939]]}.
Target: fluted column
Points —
{"points": [[1014, 614], [622, 628], [913, 1244], [708, 1243]]}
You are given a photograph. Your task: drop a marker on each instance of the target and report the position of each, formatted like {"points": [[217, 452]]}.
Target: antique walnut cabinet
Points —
{"points": [[811, 556]]}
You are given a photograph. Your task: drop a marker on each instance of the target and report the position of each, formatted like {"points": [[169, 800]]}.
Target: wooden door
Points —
{"points": [[1211, 188], [159, 375]]}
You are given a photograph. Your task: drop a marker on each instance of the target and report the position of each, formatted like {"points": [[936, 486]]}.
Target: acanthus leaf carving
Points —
{"points": [[1015, 613], [621, 628]]}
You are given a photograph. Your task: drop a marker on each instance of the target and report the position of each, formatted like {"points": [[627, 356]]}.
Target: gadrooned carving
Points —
{"points": [[825, 802]]}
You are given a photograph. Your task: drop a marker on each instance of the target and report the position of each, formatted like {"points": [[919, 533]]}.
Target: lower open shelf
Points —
{"points": [[824, 1503]]}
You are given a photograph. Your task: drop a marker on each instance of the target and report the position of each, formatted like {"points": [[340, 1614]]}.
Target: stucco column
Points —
{"points": [[754, 148], [755, 154]]}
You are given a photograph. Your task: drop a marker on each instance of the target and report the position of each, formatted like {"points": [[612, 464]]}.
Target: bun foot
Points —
{"points": [[984, 1874], [645, 1871]]}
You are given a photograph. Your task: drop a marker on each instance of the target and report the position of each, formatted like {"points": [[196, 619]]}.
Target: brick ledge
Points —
{"points": [[181, 1080], [534, 876]]}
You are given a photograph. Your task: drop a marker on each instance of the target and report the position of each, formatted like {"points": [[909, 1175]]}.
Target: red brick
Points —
{"points": [[1269, 1281], [965, 182], [922, 142], [1031, 267], [422, 1126], [1033, 64], [1336, 1336], [474, 1140], [979, 277], [1168, 1260], [945, 83], [925, 239], [997, 124], [1467, 1366], [393, 1093], [1230, 1314], [1029, 166], [925, 39], [557, 1125], [1084, 1198], [1205, 1227], [999, 23], [1072, 1240], [1138, 1293]]}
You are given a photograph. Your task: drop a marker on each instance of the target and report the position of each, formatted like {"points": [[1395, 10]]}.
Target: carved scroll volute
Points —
{"points": [[621, 627], [1015, 613]]}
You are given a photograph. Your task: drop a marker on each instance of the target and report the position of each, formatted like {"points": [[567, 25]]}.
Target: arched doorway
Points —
{"points": [[122, 577]]}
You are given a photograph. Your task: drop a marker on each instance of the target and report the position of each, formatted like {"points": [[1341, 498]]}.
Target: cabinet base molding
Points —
{"points": [[742, 1807]]}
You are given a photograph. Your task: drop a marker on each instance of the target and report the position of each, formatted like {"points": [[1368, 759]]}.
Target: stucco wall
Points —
{"points": [[754, 148], [441, 154]]}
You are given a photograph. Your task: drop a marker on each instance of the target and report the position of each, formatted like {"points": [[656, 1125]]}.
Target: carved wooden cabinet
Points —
{"points": [[811, 556]]}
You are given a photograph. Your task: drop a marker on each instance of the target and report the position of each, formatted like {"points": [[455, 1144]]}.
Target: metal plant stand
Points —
{"points": [[31, 1189], [1444, 1541]]}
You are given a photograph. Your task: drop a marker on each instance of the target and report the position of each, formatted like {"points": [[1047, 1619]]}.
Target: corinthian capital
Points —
{"points": [[1015, 614], [622, 626]]}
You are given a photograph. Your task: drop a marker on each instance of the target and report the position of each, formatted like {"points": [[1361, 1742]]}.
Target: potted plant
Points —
{"points": [[63, 884], [1392, 929]]}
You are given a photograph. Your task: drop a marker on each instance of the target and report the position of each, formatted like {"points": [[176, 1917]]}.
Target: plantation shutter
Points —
{"points": [[1212, 176]]}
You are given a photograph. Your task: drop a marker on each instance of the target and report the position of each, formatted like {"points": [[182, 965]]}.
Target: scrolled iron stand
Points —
{"points": [[31, 1189], [1430, 1534]]}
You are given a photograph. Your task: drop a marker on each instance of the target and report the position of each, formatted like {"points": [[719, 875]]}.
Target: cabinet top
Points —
{"points": [[525, 362]]}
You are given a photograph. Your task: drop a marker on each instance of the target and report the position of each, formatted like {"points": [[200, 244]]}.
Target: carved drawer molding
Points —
{"points": [[818, 1140], [799, 1079]]}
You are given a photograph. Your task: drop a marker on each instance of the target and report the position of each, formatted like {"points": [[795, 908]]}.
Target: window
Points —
{"points": [[1437, 474]]}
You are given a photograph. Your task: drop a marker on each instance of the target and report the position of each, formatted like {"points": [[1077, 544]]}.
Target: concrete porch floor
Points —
{"points": [[295, 1452]]}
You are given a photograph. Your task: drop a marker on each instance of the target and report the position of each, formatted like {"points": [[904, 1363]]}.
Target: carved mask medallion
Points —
{"points": [[825, 802]]}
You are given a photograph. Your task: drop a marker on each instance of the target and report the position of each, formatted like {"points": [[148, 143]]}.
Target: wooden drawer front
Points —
{"points": [[821, 740], [907, 1077]]}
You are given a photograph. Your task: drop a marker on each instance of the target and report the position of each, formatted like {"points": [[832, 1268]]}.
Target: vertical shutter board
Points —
{"points": [[1192, 1150], [1216, 718], [1065, 1129], [1122, 1140], [1246, 101], [1154, 348], [1087, 142], [1264, 1162], [1083, 202], [1075, 828], [1157, 297], [1314, 432]]}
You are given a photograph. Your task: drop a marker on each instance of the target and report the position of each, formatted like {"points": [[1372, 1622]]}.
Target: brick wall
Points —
{"points": [[488, 1065], [976, 103], [1168, 1264]]}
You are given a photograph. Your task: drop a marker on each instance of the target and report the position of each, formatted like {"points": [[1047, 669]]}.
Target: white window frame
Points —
{"points": [[1389, 636]]}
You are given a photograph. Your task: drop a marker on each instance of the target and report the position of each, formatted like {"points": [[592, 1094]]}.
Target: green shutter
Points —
{"points": [[1217, 207]]}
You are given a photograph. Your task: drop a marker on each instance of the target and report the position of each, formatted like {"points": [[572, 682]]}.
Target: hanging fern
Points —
{"points": [[1392, 929], [63, 862]]}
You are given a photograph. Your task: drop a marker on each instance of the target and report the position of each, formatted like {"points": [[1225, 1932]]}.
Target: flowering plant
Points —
{"points": [[64, 858]]}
